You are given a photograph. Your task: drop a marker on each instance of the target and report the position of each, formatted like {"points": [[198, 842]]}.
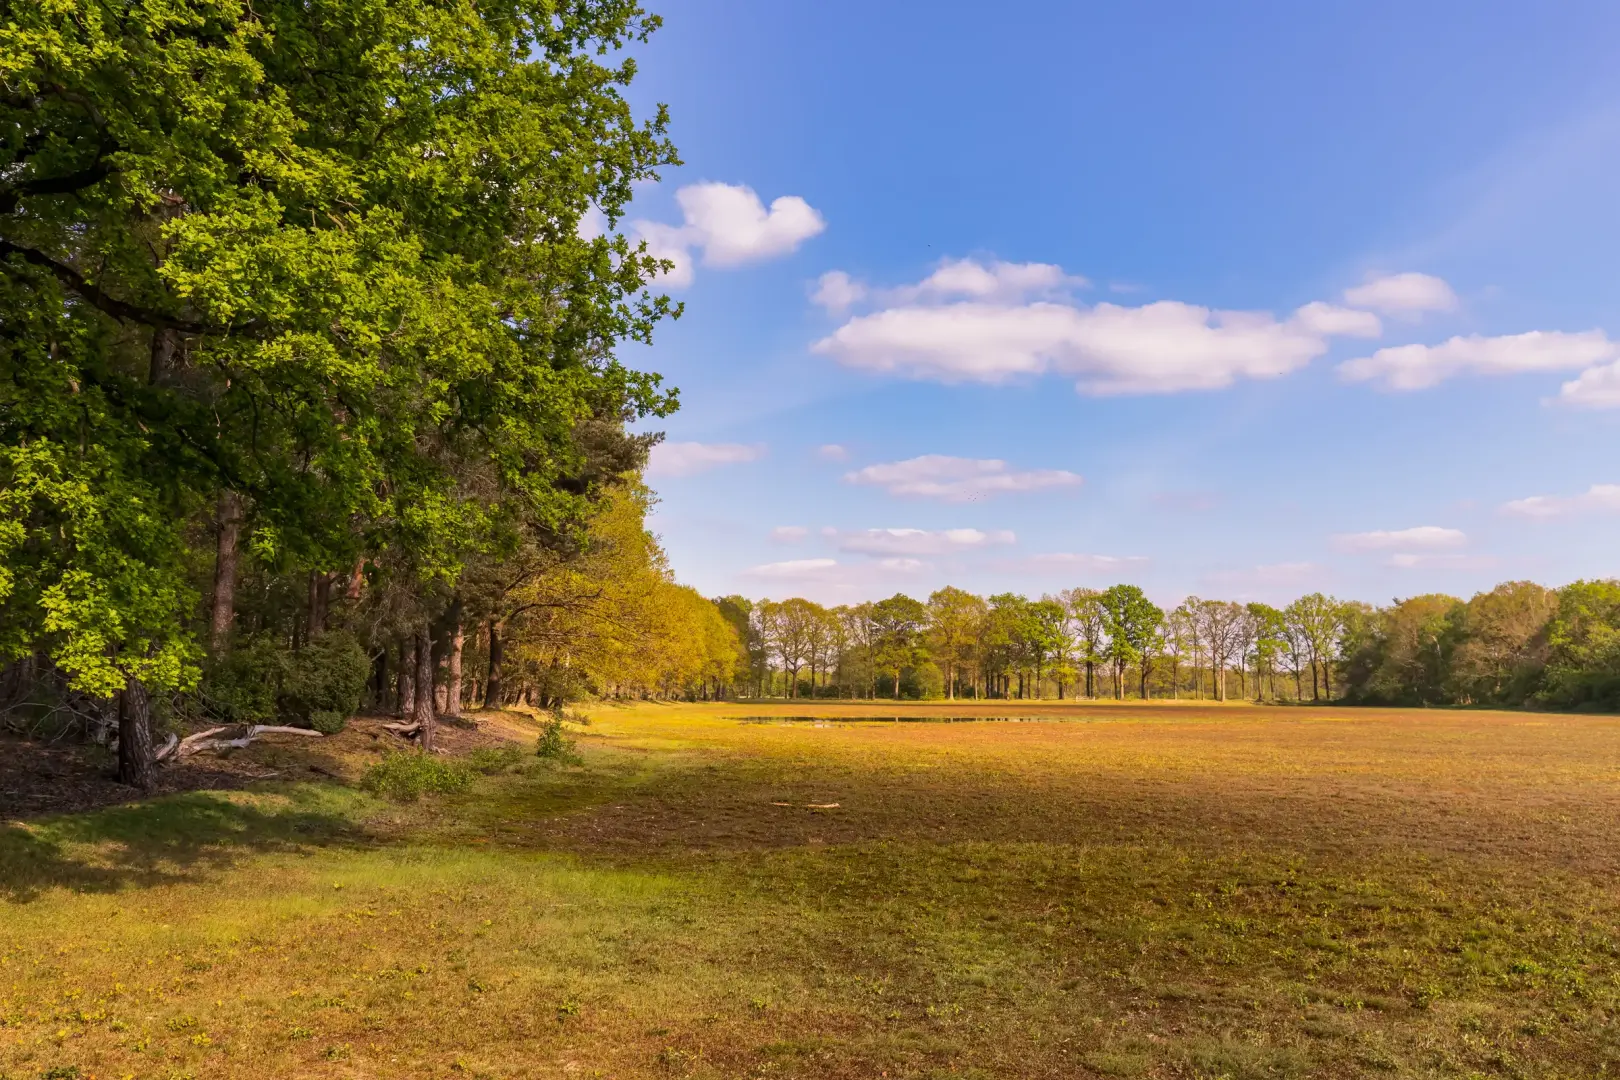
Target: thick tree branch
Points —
{"points": [[75, 282]]}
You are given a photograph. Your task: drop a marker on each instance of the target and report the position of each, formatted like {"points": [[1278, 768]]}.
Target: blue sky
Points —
{"points": [[1245, 299]]}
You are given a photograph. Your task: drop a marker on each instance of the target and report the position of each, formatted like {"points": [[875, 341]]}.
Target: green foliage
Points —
{"points": [[327, 675], [261, 682], [1583, 639], [490, 760], [554, 743], [327, 721], [325, 257], [407, 775]]}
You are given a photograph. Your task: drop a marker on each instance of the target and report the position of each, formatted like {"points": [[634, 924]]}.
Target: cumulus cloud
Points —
{"points": [[1595, 388], [792, 569], [914, 542], [1407, 294], [1329, 320], [837, 291], [1417, 367], [969, 322], [789, 534], [1422, 537], [689, 458], [903, 566], [832, 452], [996, 281], [955, 479], [1599, 498], [730, 225]]}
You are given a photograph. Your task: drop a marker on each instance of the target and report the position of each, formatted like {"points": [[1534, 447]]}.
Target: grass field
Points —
{"points": [[1150, 891]]}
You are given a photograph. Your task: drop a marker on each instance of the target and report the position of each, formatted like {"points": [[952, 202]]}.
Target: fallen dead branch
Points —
{"points": [[177, 748]]}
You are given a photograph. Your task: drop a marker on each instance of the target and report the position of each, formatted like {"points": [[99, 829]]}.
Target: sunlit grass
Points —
{"points": [[1170, 892]]}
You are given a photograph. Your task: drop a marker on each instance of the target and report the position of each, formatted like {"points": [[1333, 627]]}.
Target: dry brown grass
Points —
{"points": [[1162, 891]]}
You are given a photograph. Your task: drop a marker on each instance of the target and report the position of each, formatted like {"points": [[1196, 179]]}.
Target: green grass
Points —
{"points": [[1177, 892]]}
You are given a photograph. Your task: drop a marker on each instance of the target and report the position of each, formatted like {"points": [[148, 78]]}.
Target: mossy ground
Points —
{"points": [[1173, 891]]}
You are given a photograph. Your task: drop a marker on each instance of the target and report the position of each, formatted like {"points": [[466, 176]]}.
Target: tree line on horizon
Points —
{"points": [[1519, 644]]}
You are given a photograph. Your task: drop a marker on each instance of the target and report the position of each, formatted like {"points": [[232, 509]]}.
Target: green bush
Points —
{"points": [[327, 675], [262, 682], [327, 721], [407, 775], [554, 742]]}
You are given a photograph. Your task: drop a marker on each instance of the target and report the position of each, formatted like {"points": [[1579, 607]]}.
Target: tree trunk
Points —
{"points": [[1315, 692], [897, 684], [135, 765], [405, 699], [452, 693], [497, 656], [425, 714], [224, 607], [1327, 681]]}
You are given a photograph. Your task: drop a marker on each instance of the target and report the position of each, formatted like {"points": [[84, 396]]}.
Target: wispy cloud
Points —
{"points": [[913, 542], [690, 458], [1422, 537], [955, 479], [1599, 499]]}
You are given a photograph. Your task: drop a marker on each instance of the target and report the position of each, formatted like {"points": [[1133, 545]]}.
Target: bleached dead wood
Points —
{"points": [[205, 740]]}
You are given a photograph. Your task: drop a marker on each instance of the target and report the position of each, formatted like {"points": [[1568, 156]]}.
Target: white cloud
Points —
{"points": [[1410, 561], [789, 534], [792, 568], [997, 281], [730, 225], [667, 242], [1595, 388], [1426, 537], [1406, 294], [954, 479], [1416, 367], [1599, 498], [968, 322], [688, 458], [1329, 320], [833, 452], [836, 291], [903, 566], [915, 542]]}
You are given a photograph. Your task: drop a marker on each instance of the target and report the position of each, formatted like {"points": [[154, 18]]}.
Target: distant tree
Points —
{"points": [[1269, 645], [1044, 635], [1220, 627], [1090, 631], [1320, 621], [955, 619], [1132, 623], [1583, 642], [1503, 645], [898, 626]]}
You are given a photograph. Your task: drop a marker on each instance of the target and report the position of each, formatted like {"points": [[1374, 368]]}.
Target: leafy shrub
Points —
{"points": [[554, 742], [262, 682], [407, 775], [327, 675], [327, 721], [491, 760]]}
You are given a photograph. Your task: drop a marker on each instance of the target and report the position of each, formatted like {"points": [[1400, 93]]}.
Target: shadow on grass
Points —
{"points": [[170, 838]]}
